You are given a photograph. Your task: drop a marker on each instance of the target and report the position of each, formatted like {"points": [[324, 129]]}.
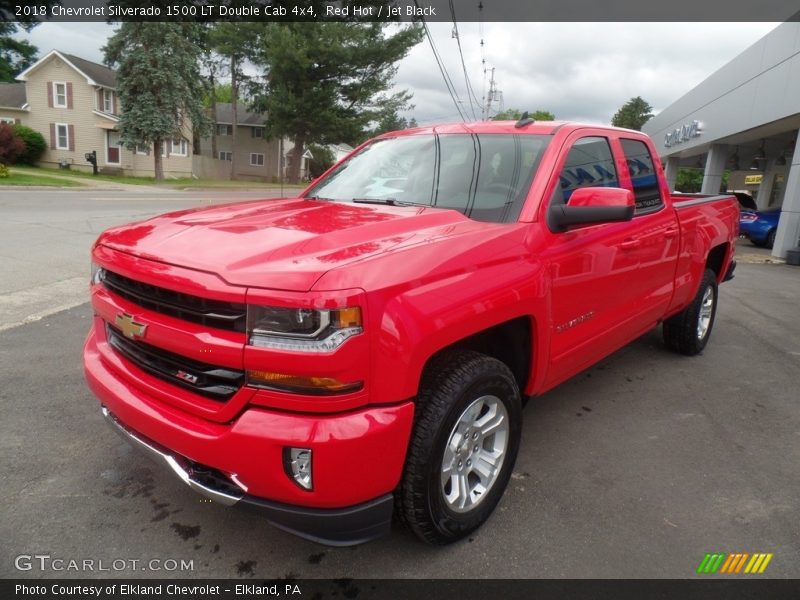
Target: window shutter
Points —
{"points": [[252, 132], [52, 134], [50, 94], [69, 95], [100, 104], [114, 102], [71, 133]]}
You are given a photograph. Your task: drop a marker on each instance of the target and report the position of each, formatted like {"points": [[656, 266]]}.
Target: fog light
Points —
{"points": [[297, 464]]}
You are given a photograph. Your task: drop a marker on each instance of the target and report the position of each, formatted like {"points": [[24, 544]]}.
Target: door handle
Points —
{"points": [[630, 244], [671, 232]]}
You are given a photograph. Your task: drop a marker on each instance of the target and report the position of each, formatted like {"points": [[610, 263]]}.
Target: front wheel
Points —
{"points": [[689, 330], [465, 441]]}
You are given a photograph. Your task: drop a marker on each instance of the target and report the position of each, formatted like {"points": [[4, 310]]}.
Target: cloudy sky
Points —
{"points": [[579, 71]]}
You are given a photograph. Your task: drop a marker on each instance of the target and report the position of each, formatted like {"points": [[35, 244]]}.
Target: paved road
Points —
{"points": [[636, 468], [45, 238]]}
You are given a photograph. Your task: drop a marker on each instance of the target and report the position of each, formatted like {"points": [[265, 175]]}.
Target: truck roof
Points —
{"points": [[535, 128]]}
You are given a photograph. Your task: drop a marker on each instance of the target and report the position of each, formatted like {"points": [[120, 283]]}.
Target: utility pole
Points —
{"points": [[492, 95]]}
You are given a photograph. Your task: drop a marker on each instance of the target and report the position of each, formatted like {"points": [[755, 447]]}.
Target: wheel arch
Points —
{"points": [[511, 342]]}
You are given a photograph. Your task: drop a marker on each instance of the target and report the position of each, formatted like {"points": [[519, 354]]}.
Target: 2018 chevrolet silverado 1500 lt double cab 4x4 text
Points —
{"points": [[368, 345]]}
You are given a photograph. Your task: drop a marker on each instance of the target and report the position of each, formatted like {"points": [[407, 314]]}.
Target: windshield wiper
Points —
{"points": [[388, 201]]}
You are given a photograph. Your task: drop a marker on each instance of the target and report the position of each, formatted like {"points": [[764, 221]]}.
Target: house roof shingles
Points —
{"points": [[243, 115], [101, 74], [12, 95]]}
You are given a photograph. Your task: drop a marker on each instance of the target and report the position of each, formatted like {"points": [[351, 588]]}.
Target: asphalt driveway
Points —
{"points": [[635, 468]]}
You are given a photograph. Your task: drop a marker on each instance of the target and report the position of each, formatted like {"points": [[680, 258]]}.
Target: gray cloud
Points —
{"points": [[579, 71]]}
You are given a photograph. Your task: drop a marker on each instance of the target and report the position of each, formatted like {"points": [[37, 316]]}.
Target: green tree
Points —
{"points": [[391, 121], [232, 42], [514, 114], [15, 55], [323, 159], [633, 114], [159, 83], [35, 144], [326, 82], [689, 181]]}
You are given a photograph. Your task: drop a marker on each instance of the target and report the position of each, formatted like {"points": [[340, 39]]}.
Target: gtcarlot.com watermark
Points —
{"points": [[49, 563]]}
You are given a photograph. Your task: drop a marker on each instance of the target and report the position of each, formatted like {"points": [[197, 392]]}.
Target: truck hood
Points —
{"points": [[282, 244]]}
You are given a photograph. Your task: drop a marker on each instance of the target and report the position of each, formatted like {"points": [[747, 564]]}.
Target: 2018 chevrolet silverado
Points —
{"points": [[365, 348]]}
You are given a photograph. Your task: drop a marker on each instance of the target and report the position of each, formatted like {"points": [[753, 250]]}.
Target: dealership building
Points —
{"points": [[745, 118]]}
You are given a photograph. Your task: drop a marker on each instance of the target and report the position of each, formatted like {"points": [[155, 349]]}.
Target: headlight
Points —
{"points": [[303, 329]]}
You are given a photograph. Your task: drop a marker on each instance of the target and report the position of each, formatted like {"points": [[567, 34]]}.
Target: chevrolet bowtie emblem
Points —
{"points": [[130, 328]]}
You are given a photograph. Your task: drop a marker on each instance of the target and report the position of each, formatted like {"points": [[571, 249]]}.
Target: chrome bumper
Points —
{"points": [[178, 464]]}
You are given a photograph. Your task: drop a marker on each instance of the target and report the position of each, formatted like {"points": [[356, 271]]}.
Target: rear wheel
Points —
{"points": [[688, 331], [465, 441], [770, 239]]}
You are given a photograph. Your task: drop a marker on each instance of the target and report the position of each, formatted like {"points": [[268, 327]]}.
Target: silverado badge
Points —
{"points": [[129, 327]]}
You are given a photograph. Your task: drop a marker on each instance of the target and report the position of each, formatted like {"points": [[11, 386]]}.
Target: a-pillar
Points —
{"points": [[788, 234], [715, 168]]}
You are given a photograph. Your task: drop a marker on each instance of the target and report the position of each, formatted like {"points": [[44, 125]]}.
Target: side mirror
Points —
{"points": [[592, 205]]}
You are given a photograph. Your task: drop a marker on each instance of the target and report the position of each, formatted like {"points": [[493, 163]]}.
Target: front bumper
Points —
{"points": [[358, 456], [335, 527]]}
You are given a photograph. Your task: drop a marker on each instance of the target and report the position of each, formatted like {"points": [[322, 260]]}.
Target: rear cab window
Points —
{"points": [[644, 180]]}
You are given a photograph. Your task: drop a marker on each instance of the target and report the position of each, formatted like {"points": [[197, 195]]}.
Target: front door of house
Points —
{"points": [[112, 147]]}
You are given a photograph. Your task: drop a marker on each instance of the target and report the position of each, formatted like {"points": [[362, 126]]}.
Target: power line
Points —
{"points": [[447, 81], [470, 92]]}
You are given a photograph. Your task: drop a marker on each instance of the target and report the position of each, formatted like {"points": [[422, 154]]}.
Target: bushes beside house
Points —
{"points": [[11, 145], [20, 144], [35, 145]]}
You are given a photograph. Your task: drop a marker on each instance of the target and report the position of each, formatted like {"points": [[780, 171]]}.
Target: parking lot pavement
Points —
{"points": [[635, 468], [45, 236]]}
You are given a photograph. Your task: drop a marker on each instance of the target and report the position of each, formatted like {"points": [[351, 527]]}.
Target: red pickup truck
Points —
{"points": [[365, 348]]}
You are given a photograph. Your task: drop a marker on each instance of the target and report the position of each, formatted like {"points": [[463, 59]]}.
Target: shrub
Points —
{"points": [[4, 171], [11, 145], [34, 145]]}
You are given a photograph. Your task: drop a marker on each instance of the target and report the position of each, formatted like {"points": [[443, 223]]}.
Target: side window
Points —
{"points": [[643, 176], [589, 164]]}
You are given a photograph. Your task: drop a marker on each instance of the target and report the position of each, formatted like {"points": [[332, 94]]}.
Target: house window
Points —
{"points": [[108, 101], [226, 156], [144, 150], [62, 136], [256, 160], [224, 130], [179, 148], [8, 120], [59, 94], [258, 132]]}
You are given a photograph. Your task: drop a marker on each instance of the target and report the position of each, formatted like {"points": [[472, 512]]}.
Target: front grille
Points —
{"points": [[216, 383], [230, 316]]}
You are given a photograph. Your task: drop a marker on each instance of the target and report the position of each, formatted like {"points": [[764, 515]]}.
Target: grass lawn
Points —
{"points": [[26, 178], [172, 183]]}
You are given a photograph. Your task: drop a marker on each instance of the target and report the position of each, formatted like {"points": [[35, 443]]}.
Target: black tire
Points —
{"points": [[770, 242], [453, 383], [682, 333]]}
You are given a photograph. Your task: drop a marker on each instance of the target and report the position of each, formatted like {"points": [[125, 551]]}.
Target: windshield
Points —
{"points": [[485, 177]]}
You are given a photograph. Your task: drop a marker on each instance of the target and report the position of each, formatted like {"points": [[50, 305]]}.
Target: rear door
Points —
{"points": [[655, 235]]}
